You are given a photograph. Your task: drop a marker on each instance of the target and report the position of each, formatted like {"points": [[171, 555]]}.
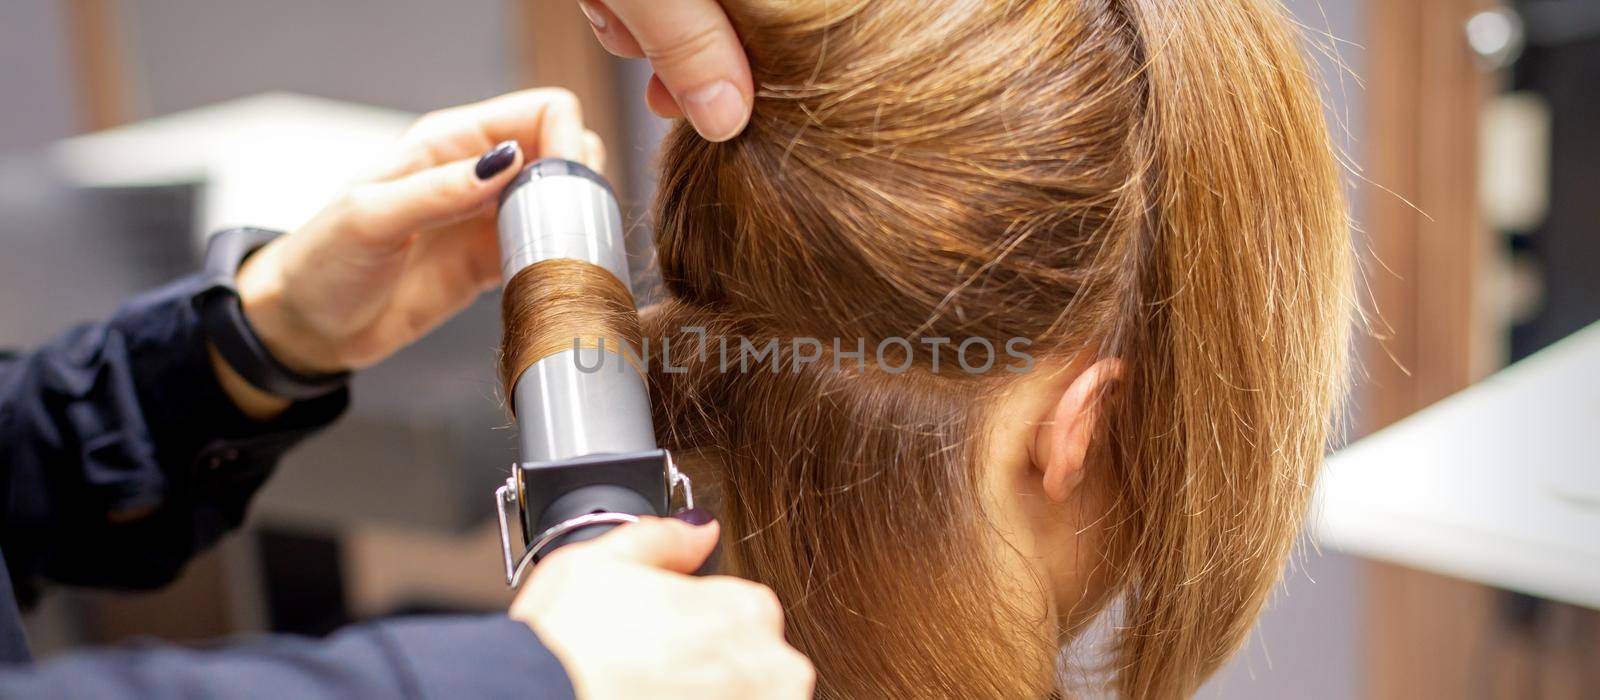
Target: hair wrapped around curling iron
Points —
{"points": [[563, 304]]}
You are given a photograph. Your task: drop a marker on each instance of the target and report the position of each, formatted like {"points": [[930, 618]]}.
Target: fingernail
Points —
{"points": [[496, 160], [593, 13], [695, 516], [716, 110]]}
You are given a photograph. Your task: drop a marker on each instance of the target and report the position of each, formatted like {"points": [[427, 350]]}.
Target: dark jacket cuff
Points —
{"points": [[191, 419], [214, 456]]}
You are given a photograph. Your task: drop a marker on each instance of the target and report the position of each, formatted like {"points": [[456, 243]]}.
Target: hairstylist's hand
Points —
{"points": [[401, 252], [628, 622], [701, 69]]}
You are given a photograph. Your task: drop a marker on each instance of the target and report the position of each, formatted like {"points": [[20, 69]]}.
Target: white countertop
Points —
{"points": [[270, 160], [1498, 484]]}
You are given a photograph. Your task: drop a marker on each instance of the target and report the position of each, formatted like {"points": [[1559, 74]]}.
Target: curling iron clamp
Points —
{"points": [[589, 460]]}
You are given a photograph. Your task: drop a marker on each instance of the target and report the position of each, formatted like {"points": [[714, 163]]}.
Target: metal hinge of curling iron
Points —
{"points": [[509, 499]]}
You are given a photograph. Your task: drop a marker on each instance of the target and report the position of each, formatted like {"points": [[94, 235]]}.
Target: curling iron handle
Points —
{"points": [[578, 516], [558, 503], [589, 500]]}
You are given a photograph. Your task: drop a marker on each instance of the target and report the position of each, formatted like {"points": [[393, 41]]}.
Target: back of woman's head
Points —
{"points": [[1145, 180]]}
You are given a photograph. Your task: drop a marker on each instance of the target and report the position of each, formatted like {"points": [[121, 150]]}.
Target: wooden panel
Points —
{"points": [[555, 47], [1428, 238], [1424, 631], [102, 85], [1391, 221], [1429, 636]]}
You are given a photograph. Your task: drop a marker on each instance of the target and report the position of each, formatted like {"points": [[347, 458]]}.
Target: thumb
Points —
{"points": [[697, 57], [389, 212], [662, 543]]}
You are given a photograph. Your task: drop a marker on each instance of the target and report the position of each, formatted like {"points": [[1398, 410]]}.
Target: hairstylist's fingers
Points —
{"points": [[546, 122], [384, 214], [747, 602], [663, 543], [611, 32], [594, 152], [782, 673], [693, 48], [561, 131], [450, 271], [660, 101]]}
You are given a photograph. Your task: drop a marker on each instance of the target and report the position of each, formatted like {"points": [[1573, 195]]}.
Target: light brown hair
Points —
{"points": [[563, 304], [1147, 180]]}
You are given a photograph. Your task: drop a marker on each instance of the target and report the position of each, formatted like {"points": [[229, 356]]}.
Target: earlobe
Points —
{"points": [[1061, 443]]}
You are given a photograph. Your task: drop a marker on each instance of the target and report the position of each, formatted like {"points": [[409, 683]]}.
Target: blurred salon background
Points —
{"points": [[1455, 554]]}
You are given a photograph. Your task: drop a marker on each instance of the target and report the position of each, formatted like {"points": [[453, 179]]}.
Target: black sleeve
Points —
{"points": [[120, 454], [446, 658]]}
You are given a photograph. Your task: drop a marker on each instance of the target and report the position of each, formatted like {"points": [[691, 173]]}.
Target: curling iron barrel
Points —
{"points": [[589, 460]]}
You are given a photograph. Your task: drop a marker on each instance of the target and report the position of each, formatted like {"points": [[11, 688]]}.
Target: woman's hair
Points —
{"points": [[562, 304], [1146, 180]]}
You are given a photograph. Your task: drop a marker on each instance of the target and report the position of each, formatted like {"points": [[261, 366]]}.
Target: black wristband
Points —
{"points": [[222, 317]]}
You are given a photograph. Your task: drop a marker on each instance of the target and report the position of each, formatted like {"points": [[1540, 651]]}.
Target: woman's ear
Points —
{"points": [[1061, 441]]}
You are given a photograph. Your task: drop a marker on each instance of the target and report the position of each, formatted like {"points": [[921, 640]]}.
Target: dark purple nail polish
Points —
{"points": [[695, 516], [496, 160]]}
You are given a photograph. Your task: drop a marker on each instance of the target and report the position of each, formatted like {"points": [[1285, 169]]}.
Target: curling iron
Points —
{"points": [[589, 460]]}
